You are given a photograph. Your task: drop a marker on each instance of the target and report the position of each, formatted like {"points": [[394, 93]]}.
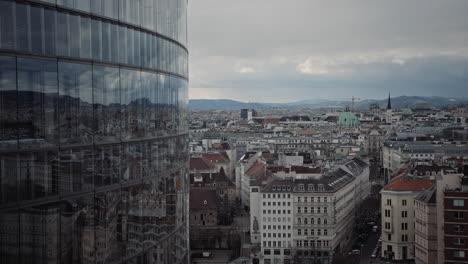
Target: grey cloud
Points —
{"points": [[277, 46]]}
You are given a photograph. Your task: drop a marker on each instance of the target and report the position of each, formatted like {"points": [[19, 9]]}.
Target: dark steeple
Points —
{"points": [[389, 104]]}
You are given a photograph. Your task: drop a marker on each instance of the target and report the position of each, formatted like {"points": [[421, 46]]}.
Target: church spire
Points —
{"points": [[389, 104]]}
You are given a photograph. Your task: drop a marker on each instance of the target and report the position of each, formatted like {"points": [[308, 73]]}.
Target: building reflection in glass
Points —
{"points": [[93, 130]]}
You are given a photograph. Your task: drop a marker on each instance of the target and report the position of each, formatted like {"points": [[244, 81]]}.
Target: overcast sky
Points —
{"points": [[282, 51]]}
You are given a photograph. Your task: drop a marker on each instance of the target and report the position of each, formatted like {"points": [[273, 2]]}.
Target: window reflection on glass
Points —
{"points": [[75, 103], [37, 103], [106, 93], [8, 101]]}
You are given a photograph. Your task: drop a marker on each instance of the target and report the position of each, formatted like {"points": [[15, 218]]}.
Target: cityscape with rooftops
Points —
{"points": [[317, 185], [311, 132]]}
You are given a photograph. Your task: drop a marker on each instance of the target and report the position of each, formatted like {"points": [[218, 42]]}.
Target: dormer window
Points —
{"points": [[310, 187], [301, 187], [320, 187], [274, 188]]}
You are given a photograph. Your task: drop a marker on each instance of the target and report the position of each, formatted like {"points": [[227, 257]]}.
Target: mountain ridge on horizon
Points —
{"points": [[397, 102]]}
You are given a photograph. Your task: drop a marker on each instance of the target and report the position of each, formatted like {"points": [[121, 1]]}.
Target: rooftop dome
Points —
{"points": [[348, 120], [407, 111]]}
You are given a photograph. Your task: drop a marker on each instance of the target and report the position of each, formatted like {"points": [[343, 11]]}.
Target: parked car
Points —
{"points": [[375, 229], [356, 251]]}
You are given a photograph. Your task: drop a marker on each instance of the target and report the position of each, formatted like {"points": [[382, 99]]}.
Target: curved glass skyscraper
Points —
{"points": [[93, 148]]}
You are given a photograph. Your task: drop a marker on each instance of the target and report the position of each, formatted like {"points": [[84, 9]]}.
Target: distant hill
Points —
{"points": [[397, 102]]}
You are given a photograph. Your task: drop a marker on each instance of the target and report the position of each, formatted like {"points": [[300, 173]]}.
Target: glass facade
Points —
{"points": [[93, 131]]}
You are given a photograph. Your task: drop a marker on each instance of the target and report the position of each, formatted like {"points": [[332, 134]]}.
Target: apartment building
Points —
{"points": [[425, 227], [302, 219], [452, 218], [398, 217]]}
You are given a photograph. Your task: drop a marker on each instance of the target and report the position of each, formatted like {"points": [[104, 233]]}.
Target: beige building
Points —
{"points": [[425, 227], [398, 215]]}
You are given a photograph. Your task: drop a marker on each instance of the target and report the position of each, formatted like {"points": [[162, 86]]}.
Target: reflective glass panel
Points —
{"points": [[106, 104], [37, 109], [76, 111], [8, 101]]}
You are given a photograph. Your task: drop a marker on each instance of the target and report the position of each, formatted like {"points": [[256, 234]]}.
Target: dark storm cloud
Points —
{"points": [[291, 50]]}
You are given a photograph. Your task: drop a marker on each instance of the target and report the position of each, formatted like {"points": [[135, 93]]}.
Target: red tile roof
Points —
{"points": [[257, 169], [200, 163], [215, 157], [409, 183]]}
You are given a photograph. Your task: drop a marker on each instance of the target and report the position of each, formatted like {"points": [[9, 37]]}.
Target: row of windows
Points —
{"points": [[168, 17], [274, 235], [312, 199], [43, 31], [274, 227], [389, 202], [404, 214], [276, 195], [305, 232], [404, 238], [312, 243], [312, 210], [80, 230], [48, 103], [40, 174], [276, 219], [310, 187], [276, 203], [284, 244], [274, 211], [305, 221]]}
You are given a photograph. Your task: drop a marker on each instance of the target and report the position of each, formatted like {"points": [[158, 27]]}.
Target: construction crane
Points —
{"points": [[352, 101]]}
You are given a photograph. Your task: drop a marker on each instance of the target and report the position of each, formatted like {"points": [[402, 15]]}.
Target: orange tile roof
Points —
{"points": [[215, 157], [409, 183], [200, 163]]}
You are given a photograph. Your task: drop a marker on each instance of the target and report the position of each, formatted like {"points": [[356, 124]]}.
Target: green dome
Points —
{"points": [[347, 120], [407, 111]]}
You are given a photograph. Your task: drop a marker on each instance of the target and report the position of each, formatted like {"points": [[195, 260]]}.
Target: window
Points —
{"points": [[266, 252], [389, 201], [325, 210], [319, 221], [325, 221], [459, 254], [305, 210], [306, 232], [404, 226], [403, 202], [312, 210], [404, 214], [305, 199], [387, 213], [458, 202], [458, 215], [387, 225], [320, 187], [298, 199], [277, 252], [459, 241], [299, 221], [299, 232], [301, 187], [305, 220], [319, 232], [310, 187], [404, 238], [458, 228], [318, 210], [299, 209], [325, 199], [389, 237], [325, 232]]}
